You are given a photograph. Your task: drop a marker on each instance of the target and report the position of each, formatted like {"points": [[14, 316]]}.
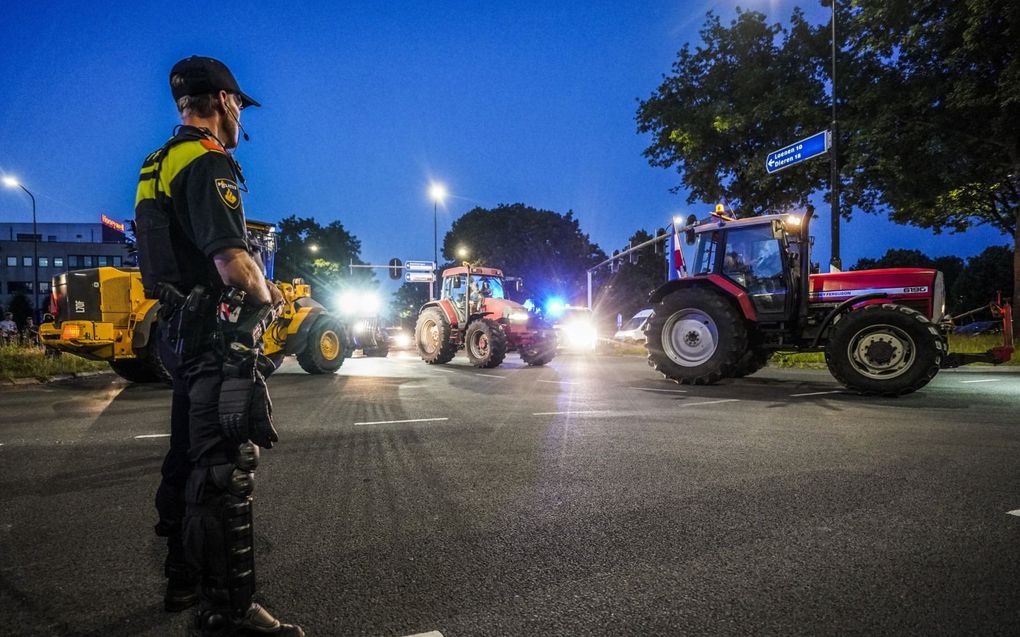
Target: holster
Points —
{"points": [[185, 318]]}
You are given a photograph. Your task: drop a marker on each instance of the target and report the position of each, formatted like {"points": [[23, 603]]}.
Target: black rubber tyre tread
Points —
{"points": [[447, 349], [730, 323], [539, 354], [311, 359], [377, 352], [752, 361], [497, 343], [147, 368], [929, 342]]}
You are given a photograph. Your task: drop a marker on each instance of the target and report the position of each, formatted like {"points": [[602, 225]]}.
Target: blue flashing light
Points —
{"points": [[555, 306]]}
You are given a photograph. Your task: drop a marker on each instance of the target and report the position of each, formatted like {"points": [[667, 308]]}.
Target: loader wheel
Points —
{"points": [[326, 349], [540, 353], [752, 361], [147, 368], [485, 343], [886, 350], [377, 352], [432, 337], [695, 337]]}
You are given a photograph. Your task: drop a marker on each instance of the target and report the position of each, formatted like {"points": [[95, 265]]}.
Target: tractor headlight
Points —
{"points": [[360, 327], [518, 317], [402, 340], [938, 304], [359, 303]]}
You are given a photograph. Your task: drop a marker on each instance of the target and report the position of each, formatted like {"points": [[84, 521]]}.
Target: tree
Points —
{"points": [[985, 276], [546, 248], [950, 267], [319, 254], [747, 90], [938, 98], [626, 291], [407, 300]]}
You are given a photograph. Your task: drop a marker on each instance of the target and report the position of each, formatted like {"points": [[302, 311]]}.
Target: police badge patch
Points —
{"points": [[228, 192]]}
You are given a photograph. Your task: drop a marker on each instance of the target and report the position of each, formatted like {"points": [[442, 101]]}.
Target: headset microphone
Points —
{"points": [[244, 133]]}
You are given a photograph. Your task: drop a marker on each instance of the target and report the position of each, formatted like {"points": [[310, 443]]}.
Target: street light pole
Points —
{"points": [[438, 192], [835, 261], [11, 182]]}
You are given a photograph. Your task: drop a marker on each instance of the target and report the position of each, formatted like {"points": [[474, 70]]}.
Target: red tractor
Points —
{"points": [[751, 293], [473, 312]]}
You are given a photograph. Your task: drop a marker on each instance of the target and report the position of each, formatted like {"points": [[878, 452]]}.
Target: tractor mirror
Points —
{"points": [[518, 285], [689, 235], [456, 283], [777, 229]]}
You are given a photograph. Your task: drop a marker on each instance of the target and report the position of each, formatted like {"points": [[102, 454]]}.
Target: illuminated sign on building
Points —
{"points": [[110, 223]]}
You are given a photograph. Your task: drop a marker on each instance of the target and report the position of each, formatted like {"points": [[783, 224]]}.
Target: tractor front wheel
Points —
{"points": [[433, 336], [886, 349], [695, 337], [539, 353], [485, 343], [326, 348]]}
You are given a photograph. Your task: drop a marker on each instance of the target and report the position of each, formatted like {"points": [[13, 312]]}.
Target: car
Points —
{"points": [[979, 327], [633, 330], [401, 340], [575, 329]]}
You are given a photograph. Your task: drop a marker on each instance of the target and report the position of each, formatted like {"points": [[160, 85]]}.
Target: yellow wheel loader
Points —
{"points": [[102, 314]]}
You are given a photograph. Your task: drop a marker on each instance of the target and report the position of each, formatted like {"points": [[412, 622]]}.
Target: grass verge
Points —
{"points": [[31, 362]]}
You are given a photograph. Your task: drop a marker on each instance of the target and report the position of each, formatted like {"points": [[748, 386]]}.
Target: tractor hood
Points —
{"points": [[919, 288], [505, 308]]}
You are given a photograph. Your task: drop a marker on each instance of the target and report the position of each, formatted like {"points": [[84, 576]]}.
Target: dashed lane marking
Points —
{"points": [[710, 402], [983, 380], [431, 633], [395, 422], [559, 382], [817, 393], [490, 375], [669, 391], [562, 413], [1015, 512], [152, 436]]}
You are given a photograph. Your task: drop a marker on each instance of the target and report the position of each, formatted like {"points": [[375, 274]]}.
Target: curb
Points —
{"points": [[17, 382]]}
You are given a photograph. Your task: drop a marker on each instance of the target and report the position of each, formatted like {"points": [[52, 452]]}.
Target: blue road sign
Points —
{"points": [[817, 144], [419, 277], [420, 266]]}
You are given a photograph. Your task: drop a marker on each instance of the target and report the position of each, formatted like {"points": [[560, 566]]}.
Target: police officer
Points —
{"points": [[192, 249]]}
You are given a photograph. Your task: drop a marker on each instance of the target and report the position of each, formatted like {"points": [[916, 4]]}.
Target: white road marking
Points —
{"points": [[152, 436], [394, 422], [446, 371], [670, 391], [710, 402], [1015, 512], [490, 375], [560, 413], [983, 380], [817, 393], [559, 382], [431, 633]]}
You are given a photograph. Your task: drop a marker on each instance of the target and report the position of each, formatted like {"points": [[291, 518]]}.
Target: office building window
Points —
{"points": [[72, 260], [101, 261], [44, 262], [29, 237], [51, 237], [44, 287], [12, 262], [26, 261], [58, 262], [87, 261], [117, 262], [19, 287]]}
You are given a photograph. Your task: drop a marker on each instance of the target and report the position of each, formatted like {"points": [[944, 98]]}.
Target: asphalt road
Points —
{"points": [[590, 497]]}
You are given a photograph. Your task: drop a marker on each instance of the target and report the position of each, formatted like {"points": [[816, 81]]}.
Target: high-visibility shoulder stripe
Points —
{"points": [[177, 158]]}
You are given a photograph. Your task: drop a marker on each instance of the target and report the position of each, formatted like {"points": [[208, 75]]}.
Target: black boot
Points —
{"points": [[181, 588], [257, 621]]}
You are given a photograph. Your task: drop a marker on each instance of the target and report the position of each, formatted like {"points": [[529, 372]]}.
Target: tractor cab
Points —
{"points": [[760, 256], [485, 287]]}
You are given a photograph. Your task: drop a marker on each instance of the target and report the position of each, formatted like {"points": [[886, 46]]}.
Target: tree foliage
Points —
{"points": [[626, 290], [318, 254], [21, 307], [950, 266], [546, 248], [986, 275]]}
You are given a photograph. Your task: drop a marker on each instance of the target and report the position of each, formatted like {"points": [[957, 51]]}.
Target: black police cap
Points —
{"points": [[204, 75]]}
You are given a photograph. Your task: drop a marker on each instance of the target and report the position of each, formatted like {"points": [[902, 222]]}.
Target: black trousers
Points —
{"points": [[188, 498]]}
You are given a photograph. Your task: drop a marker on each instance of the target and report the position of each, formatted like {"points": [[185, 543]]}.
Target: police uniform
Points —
{"points": [[187, 209]]}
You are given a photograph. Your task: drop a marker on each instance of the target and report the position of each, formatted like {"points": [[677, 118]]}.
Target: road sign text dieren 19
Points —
{"points": [[418, 277], [797, 152], [420, 266]]}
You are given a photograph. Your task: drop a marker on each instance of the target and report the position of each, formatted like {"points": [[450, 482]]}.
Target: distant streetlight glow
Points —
{"points": [[462, 252], [11, 182], [313, 248], [437, 192]]}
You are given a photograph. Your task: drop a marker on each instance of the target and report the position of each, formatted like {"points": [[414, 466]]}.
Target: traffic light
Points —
{"points": [[395, 267], [632, 256], [614, 265]]}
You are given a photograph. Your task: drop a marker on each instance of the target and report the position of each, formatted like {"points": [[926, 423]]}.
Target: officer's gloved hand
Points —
{"points": [[261, 430]]}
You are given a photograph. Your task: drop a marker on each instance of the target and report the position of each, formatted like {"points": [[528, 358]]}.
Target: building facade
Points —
{"points": [[61, 247]]}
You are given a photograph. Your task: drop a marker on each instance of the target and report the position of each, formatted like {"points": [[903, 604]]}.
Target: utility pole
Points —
{"points": [[835, 261]]}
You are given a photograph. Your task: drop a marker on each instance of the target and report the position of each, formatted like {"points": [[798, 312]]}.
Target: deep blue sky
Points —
{"points": [[364, 104]]}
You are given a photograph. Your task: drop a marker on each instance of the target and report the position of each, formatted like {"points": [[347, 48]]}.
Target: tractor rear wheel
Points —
{"points": [[886, 349], [539, 353], [485, 343], [326, 349], [433, 336], [695, 337], [752, 361]]}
